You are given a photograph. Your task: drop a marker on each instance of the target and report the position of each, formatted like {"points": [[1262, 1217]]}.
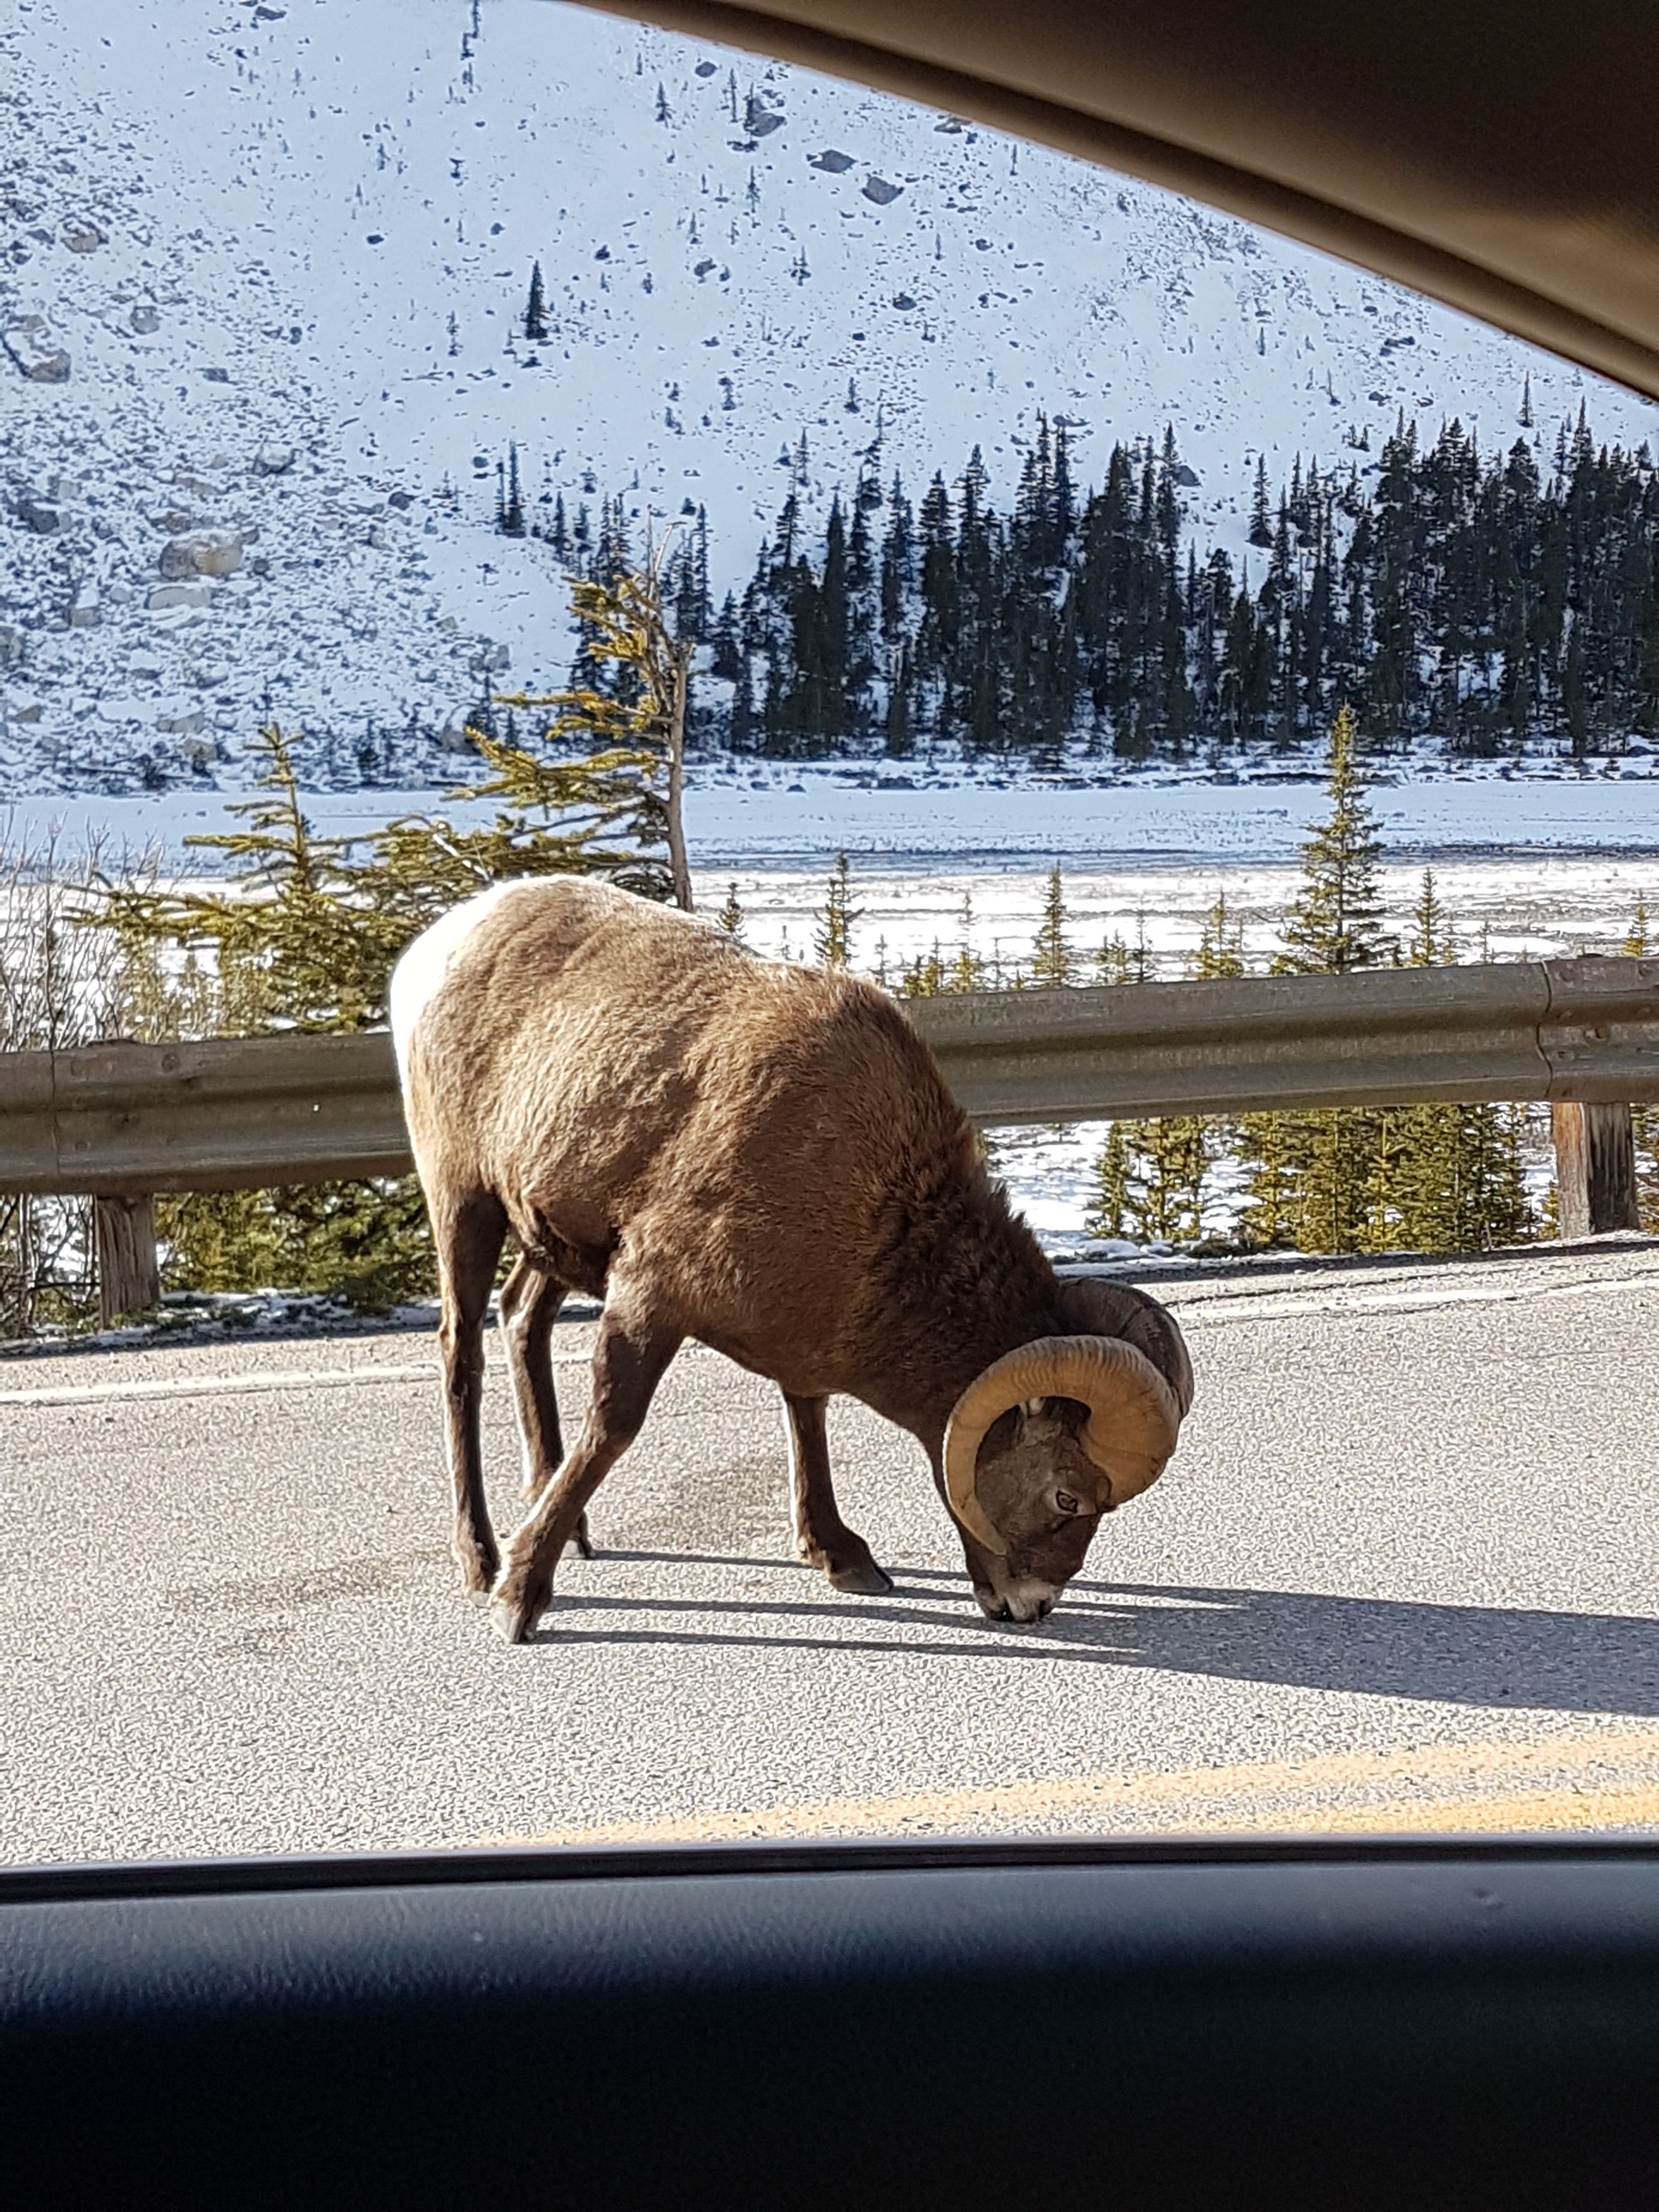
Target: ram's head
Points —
{"points": [[1058, 1433]]}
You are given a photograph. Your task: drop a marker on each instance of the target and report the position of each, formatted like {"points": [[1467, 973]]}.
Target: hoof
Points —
{"points": [[864, 1582], [581, 1539], [860, 1577], [513, 1620], [478, 1570]]}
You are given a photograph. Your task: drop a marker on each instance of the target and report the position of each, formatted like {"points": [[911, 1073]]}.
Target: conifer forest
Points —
{"points": [[1491, 603]]}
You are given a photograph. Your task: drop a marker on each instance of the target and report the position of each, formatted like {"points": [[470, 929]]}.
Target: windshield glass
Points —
{"points": [[1207, 694]]}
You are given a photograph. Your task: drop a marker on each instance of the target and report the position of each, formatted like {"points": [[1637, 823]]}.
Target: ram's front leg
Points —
{"points": [[823, 1539], [630, 1357]]}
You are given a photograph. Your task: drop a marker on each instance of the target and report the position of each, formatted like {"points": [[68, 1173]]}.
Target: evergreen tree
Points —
{"points": [[1431, 943], [535, 314], [1149, 1181], [304, 935], [1219, 957], [731, 915], [1261, 528], [300, 938], [1051, 963], [968, 970], [1314, 1175], [1271, 1146], [1109, 1207], [1112, 964], [635, 713], [1171, 1160], [924, 977], [512, 519], [1334, 1158], [1335, 924], [833, 943], [900, 731], [1491, 1207], [1467, 601], [897, 557], [1220, 944]]}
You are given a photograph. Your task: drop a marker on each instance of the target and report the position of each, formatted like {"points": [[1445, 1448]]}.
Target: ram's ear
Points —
{"points": [[1112, 1309]]}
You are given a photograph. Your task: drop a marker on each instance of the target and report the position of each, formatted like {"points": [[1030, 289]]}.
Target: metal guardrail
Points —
{"points": [[232, 1113], [1585, 1030], [249, 1113]]}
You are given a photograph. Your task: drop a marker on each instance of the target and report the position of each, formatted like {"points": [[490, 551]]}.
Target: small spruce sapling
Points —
{"points": [[1051, 963], [833, 942], [535, 314]]}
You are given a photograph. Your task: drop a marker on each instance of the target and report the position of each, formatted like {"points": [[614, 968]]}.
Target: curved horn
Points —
{"points": [[1112, 1309], [1133, 1417]]}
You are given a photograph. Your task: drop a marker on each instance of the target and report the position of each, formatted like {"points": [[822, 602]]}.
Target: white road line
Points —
{"points": [[293, 1379], [230, 1386], [1227, 1308], [1245, 1306]]}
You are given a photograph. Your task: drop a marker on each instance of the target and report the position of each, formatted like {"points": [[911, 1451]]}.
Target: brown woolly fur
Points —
{"points": [[760, 1156]]}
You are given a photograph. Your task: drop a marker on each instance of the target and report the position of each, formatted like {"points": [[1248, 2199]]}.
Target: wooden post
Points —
{"points": [[129, 1273], [1594, 1169]]}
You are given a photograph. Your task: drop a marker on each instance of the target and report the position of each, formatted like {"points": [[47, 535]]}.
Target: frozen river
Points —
{"points": [[1547, 865]]}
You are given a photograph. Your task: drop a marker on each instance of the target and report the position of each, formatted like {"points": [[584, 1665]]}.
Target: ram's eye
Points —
{"points": [[1066, 1502]]}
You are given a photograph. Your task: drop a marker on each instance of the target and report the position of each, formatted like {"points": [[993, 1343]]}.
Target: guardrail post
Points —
{"points": [[1594, 1169], [129, 1272]]}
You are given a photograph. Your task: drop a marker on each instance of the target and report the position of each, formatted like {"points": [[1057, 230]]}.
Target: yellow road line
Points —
{"points": [[1595, 1778], [1508, 1812]]}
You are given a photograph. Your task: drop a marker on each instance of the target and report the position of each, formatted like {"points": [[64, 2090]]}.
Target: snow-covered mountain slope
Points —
{"points": [[283, 253]]}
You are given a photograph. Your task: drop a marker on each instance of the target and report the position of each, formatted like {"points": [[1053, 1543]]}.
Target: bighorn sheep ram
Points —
{"points": [[764, 1157]]}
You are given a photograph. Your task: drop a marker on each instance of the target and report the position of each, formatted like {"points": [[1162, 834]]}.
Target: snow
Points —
{"points": [[290, 204]]}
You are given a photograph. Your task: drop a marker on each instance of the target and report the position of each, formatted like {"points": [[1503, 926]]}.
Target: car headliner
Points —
{"points": [[1497, 154]]}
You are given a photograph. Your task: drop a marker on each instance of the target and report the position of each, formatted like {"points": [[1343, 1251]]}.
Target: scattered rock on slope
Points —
{"points": [[33, 350], [205, 553]]}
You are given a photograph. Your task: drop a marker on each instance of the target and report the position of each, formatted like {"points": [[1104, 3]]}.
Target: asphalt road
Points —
{"points": [[1403, 1573]]}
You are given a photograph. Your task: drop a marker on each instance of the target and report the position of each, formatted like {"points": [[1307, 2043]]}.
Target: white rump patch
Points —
{"points": [[416, 978]]}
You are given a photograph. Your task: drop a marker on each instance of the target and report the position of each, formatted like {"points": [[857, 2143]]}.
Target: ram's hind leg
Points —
{"points": [[469, 1236], [823, 1539], [531, 1298]]}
